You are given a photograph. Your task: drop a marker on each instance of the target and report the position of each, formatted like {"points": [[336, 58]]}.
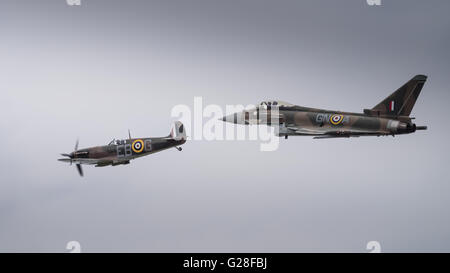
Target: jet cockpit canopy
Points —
{"points": [[278, 103]]}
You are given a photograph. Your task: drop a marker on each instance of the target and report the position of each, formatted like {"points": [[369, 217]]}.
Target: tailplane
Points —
{"points": [[401, 102]]}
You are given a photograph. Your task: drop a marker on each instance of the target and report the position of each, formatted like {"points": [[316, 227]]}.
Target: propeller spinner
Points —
{"points": [[70, 158]]}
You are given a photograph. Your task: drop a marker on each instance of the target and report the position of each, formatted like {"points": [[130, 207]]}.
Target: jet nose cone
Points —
{"points": [[230, 118], [236, 118]]}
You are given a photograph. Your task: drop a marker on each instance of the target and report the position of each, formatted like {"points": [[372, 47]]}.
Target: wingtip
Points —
{"points": [[420, 77]]}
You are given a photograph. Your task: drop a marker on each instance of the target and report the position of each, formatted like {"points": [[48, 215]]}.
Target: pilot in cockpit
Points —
{"points": [[269, 104], [255, 115]]}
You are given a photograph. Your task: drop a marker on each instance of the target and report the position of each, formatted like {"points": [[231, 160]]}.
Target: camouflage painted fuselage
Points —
{"points": [[299, 120]]}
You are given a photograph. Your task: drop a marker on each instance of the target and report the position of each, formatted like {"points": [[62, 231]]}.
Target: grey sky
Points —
{"points": [[96, 70]]}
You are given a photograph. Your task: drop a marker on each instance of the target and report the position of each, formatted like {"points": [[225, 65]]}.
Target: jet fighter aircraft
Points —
{"points": [[389, 117], [119, 152]]}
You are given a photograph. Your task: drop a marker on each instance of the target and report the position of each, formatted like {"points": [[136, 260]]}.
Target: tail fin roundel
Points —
{"points": [[401, 102]]}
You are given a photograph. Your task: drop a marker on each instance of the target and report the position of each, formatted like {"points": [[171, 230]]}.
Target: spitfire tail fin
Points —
{"points": [[178, 131], [401, 102]]}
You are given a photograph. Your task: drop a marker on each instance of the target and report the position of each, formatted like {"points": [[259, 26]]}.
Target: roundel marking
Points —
{"points": [[138, 146], [336, 119]]}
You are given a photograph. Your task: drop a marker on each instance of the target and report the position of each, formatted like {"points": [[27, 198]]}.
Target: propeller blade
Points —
{"points": [[76, 145], [65, 160], [80, 170], [68, 155]]}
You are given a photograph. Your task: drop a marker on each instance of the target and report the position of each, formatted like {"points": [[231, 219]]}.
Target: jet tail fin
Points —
{"points": [[178, 131], [401, 102]]}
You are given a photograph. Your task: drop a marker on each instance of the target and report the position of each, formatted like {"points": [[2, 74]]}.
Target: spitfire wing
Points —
{"points": [[90, 161], [86, 161]]}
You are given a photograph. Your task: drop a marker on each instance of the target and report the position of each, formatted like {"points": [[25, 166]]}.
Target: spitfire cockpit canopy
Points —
{"points": [[121, 142], [275, 103], [117, 142]]}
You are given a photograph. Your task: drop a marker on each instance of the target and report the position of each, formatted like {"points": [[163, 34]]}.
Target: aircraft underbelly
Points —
{"points": [[334, 125], [326, 122]]}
